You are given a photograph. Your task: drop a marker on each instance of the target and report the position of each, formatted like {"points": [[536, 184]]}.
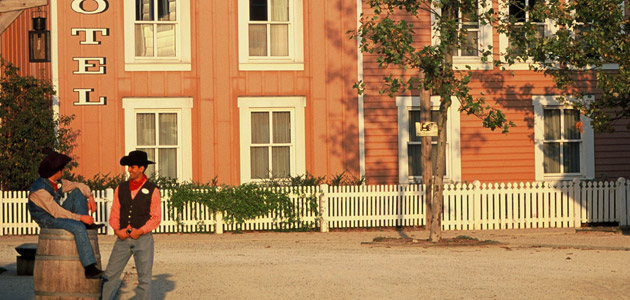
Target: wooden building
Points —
{"points": [[242, 90]]}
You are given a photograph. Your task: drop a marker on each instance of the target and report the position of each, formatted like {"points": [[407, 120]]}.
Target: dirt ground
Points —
{"points": [[378, 264]]}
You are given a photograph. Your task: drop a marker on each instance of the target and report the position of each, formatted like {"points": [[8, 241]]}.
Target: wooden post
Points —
{"points": [[622, 205], [218, 226], [109, 199], [323, 208], [577, 204], [477, 204], [1, 212]]}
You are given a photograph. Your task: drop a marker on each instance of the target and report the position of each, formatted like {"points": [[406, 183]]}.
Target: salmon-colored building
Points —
{"points": [[247, 89]]}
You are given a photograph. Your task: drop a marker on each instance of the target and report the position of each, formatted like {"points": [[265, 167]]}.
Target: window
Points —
{"points": [[584, 28], [162, 128], [156, 134], [272, 137], [477, 36], [469, 22], [409, 145], [157, 35], [564, 141], [520, 11], [270, 35]]}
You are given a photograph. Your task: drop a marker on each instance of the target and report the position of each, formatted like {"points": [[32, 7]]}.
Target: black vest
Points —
{"points": [[137, 211]]}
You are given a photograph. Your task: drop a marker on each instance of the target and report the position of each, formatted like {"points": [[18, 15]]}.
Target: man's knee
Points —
{"points": [[76, 194]]}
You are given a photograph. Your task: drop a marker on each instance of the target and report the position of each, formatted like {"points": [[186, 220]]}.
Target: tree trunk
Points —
{"points": [[450, 11], [427, 167], [437, 201]]}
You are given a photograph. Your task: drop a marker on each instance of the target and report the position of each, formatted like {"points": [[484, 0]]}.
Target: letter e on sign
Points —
{"points": [[426, 129]]}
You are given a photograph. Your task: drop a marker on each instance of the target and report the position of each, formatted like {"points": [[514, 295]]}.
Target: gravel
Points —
{"points": [[526, 264]]}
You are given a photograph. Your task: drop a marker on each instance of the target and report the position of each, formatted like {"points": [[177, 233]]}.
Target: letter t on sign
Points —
{"points": [[90, 35], [84, 98]]}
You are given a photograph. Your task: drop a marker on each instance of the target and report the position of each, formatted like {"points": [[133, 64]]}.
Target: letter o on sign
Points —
{"points": [[77, 5]]}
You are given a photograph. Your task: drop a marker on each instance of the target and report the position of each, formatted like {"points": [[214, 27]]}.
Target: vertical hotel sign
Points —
{"points": [[89, 65]]}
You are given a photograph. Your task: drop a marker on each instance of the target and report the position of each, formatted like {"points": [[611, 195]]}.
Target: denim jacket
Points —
{"points": [[41, 217]]}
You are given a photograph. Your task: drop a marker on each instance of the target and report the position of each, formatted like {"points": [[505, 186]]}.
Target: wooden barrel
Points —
{"points": [[58, 273]]}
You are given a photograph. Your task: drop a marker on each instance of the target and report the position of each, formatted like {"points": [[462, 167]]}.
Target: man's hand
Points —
{"points": [[91, 204], [135, 233], [122, 233], [87, 219]]}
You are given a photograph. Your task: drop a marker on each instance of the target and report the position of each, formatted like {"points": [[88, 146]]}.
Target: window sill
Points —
{"points": [[475, 63], [271, 66], [161, 66], [566, 177]]}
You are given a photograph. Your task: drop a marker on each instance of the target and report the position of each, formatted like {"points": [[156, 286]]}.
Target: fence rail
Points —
{"points": [[467, 206]]}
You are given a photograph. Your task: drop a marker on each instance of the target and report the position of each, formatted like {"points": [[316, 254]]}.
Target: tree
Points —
{"points": [[590, 35], [388, 34], [590, 42], [27, 126]]}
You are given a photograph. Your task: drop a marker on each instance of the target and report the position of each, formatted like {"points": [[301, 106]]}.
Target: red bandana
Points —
{"points": [[136, 184], [54, 184]]}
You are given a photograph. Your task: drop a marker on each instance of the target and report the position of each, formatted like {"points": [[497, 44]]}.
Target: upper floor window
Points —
{"points": [[521, 12], [155, 25], [157, 35], [469, 21], [270, 35], [476, 35]]}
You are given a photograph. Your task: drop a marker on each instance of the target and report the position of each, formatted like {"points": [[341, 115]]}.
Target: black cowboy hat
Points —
{"points": [[135, 158], [52, 163]]}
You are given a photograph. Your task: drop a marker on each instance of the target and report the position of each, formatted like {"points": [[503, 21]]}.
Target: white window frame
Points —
{"points": [[504, 12], [296, 105], [485, 40], [181, 106], [453, 153], [181, 62], [295, 60], [610, 66], [587, 150]]}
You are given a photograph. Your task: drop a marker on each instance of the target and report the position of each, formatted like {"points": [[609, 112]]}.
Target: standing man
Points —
{"points": [[47, 209], [135, 213]]}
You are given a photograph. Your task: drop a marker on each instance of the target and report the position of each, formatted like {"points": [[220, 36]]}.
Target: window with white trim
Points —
{"points": [[478, 36], [161, 128], [272, 137], [564, 140], [270, 35], [469, 21], [520, 11], [157, 35], [409, 145]]}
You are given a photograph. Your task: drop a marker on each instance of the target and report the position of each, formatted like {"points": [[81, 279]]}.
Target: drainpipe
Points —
{"points": [[54, 55], [360, 99]]}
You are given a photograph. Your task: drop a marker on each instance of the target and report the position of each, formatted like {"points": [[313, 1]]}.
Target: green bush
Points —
{"points": [[242, 203], [27, 126]]}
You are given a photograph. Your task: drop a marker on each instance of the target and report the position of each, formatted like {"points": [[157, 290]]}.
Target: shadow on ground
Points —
{"points": [[13, 286]]}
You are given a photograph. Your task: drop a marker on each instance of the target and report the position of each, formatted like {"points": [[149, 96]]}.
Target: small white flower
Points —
{"points": [[145, 191], [58, 185]]}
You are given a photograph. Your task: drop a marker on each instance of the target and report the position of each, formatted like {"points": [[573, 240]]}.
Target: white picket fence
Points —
{"points": [[466, 207]]}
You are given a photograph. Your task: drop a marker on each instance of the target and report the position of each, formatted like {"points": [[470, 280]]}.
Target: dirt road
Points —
{"points": [[528, 264]]}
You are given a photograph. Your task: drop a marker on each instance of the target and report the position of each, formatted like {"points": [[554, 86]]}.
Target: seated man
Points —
{"points": [[45, 208]]}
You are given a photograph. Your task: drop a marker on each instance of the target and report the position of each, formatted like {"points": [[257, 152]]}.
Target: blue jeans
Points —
{"points": [[77, 203], [142, 251]]}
